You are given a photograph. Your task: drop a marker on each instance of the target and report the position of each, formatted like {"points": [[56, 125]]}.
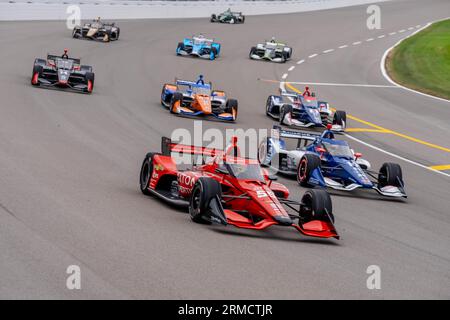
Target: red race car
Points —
{"points": [[229, 189]]}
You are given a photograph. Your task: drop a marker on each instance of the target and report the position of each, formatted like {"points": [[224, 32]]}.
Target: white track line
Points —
{"points": [[382, 36], [388, 78], [300, 61], [370, 39], [284, 76], [356, 43], [328, 51], [396, 156], [343, 46], [392, 33], [313, 55], [291, 68], [344, 84]]}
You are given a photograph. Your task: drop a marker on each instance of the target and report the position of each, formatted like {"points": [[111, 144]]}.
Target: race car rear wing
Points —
{"points": [[168, 147], [279, 132]]}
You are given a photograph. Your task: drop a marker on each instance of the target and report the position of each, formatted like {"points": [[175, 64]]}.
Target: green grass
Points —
{"points": [[422, 62]]}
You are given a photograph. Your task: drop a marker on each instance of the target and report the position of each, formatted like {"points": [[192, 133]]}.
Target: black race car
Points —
{"points": [[62, 72], [97, 30], [228, 16]]}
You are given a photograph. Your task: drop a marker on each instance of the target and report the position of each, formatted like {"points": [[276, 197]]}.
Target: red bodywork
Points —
{"points": [[259, 199]]}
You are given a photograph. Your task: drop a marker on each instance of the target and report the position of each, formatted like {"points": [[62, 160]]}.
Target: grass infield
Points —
{"points": [[422, 62]]}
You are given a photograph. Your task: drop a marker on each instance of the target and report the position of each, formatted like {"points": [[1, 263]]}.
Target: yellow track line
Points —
{"points": [[384, 130], [441, 167], [365, 130]]}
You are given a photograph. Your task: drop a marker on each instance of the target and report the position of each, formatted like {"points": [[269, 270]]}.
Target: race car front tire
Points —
{"points": [[316, 205], [37, 71], [390, 174], [90, 77], [284, 111], [146, 173], [308, 163], [230, 106], [176, 97], [213, 53], [213, 18], [205, 189], [252, 52]]}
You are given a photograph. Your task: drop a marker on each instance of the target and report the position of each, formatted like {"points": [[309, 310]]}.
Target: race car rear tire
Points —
{"points": [[284, 56], [284, 110], [390, 174], [213, 18], [231, 105], [242, 19], [204, 190], [76, 33], [308, 163], [177, 96], [316, 205], [262, 153], [252, 52], [146, 173], [340, 118]]}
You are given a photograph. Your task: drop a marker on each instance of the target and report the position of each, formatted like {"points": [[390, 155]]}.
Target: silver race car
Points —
{"points": [[272, 51], [97, 30]]}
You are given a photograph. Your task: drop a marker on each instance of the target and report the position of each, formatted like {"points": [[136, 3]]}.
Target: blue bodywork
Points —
{"points": [[306, 110], [199, 46], [340, 168]]}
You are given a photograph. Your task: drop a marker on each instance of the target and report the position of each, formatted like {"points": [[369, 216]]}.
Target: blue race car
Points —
{"points": [[191, 98], [293, 109], [323, 161], [199, 46]]}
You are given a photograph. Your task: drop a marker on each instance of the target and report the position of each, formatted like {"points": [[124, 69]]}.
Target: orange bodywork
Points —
{"points": [[201, 103]]}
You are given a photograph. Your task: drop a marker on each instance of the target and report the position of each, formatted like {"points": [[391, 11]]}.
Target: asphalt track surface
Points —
{"points": [[70, 162]]}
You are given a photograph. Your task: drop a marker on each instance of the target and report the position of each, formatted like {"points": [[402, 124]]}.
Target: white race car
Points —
{"points": [[272, 51]]}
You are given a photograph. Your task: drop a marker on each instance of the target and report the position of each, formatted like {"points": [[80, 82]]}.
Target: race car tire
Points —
{"points": [[390, 174], [308, 163], [180, 47], [252, 52], [37, 71], [177, 96], [243, 19], [76, 33], [168, 98], [213, 54], [284, 56], [284, 110], [316, 205], [262, 153], [231, 105], [204, 190], [90, 77], [340, 118], [213, 18], [269, 105], [146, 173]]}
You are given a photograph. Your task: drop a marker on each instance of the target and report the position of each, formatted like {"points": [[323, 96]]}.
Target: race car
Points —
{"points": [[272, 51], [231, 190], [323, 161], [97, 30], [294, 109], [228, 16], [191, 98], [63, 72], [199, 46]]}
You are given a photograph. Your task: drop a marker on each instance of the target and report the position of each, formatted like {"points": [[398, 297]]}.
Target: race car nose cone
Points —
{"points": [[282, 220]]}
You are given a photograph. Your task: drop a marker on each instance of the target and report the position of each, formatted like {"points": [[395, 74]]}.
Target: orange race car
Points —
{"points": [[191, 98]]}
